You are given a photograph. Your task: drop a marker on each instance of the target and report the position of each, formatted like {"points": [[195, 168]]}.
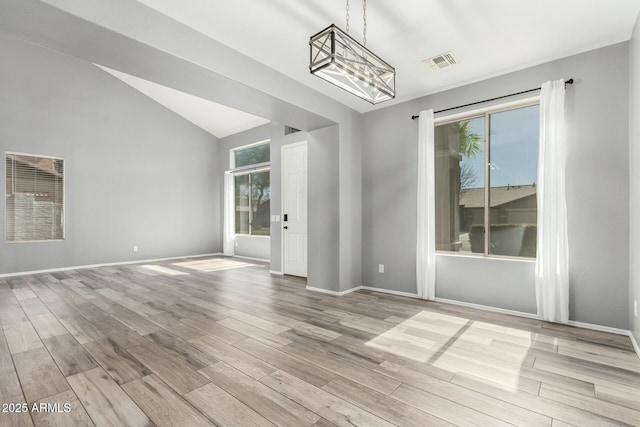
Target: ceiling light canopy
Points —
{"points": [[337, 58]]}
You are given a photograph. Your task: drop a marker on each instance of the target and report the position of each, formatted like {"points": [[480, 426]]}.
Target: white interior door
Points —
{"points": [[294, 208]]}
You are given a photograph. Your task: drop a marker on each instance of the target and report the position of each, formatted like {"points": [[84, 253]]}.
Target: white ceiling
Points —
{"points": [[489, 37], [218, 120]]}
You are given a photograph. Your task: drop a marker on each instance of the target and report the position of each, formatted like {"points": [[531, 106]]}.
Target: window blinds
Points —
{"points": [[34, 198]]}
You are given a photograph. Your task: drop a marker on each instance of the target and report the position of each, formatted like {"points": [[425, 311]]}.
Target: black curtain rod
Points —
{"points": [[567, 82]]}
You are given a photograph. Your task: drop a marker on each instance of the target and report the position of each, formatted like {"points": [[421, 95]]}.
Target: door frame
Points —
{"points": [[282, 241]]}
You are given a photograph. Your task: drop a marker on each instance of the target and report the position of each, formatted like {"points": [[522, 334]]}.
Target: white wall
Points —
{"points": [[128, 182], [597, 188], [634, 175]]}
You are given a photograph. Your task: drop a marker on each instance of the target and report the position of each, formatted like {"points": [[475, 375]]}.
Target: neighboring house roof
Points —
{"points": [[44, 164], [474, 197]]}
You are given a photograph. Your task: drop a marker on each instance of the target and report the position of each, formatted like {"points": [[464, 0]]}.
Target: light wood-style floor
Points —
{"points": [[218, 341]]}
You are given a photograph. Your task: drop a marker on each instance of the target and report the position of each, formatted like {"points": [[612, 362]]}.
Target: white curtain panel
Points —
{"points": [[552, 271], [229, 218], [426, 248]]}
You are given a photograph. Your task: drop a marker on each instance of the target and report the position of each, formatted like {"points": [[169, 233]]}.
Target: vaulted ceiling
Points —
{"points": [[217, 119], [489, 37], [253, 55]]}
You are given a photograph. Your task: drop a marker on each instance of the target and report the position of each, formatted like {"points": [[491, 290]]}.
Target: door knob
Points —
{"points": [[285, 227]]}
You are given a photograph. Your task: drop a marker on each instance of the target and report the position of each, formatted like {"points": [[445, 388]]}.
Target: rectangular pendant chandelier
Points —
{"points": [[342, 61]]}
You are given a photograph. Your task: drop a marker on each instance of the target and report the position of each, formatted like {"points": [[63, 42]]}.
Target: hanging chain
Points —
{"points": [[347, 16], [364, 20]]}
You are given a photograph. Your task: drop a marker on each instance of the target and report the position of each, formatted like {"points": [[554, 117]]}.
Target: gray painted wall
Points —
{"points": [[136, 173], [325, 222], [169, 53], [323, 198], [502, 283], [350, 200], [634, 181], [323, 192], [384, 140], [597, 188], [322, 203], [257, 247]]}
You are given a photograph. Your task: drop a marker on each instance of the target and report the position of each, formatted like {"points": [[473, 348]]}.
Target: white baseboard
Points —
{"points": [[334, 293], [535, 316], [489, 308], [486, 308], [106, 264], [276, 273], [357, 288], [251, 259], [389, 291], [599, 328]]}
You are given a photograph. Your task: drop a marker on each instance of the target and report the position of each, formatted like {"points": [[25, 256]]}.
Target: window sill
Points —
{"points": [[482, 256], [251, 236], [34, 241]]}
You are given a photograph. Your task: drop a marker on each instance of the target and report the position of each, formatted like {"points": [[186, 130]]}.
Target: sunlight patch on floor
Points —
{"points": [[460, 345], [216, 264], [164, 270], [415, 338]]}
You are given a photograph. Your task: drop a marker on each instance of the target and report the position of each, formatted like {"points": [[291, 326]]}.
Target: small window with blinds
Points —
{"points": [[34, 198]]}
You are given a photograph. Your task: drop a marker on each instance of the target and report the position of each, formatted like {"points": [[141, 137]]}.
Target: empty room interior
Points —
{"points": [[337, 213]]}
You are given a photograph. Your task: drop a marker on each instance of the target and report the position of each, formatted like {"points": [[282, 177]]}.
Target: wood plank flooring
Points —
{"points": [[219, 341]]}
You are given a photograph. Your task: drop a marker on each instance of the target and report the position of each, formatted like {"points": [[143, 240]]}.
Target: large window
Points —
{"points": [[253, 199], [34, 198], [486, 173], [252, 189]]}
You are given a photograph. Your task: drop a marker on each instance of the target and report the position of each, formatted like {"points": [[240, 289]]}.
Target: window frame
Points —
{"points": [[485, 112], [64, 199], [232, 156], [248, 170]]}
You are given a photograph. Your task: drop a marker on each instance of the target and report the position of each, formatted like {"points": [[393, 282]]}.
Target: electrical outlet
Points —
{"points": [[635, 307], [380, 268], [135, 249]]}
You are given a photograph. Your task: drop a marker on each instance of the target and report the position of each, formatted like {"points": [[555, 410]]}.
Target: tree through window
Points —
{"points": [[252, 190]]}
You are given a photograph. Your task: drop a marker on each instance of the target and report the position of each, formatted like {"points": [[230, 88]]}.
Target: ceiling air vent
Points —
{"points": [[439, 62]]}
